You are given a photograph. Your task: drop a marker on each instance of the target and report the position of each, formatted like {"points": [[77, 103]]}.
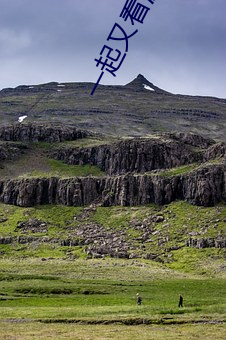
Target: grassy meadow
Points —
{"points": [[52, 291], [96, 299], [36, 163], [38, 331]]}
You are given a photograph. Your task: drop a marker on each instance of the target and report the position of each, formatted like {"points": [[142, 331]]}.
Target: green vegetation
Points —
{"points": [[210, 261], [98, 292], [36, 163], [184, 169], [78, 143], [47, 289], [180, 170], [76, 331], [87, 142], [60, 169], [55, 216], [180, 222], [119, 217]]}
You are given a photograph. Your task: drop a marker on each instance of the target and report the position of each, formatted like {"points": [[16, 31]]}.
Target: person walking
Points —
{"points": [[139, 299], [180, 301]]}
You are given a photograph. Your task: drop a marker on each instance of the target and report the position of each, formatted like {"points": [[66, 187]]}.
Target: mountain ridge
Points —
{"points": [[137, 83], [138, 108]]}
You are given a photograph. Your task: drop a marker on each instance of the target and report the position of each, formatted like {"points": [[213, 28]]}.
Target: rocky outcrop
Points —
{"points": [[215, 151], [126, 163], [11, 151], [131, 155], [99, 241], [205, 186], [33, 225], [191, 139], [6, 240], [29, 192], [201, 243], [35, 133]]}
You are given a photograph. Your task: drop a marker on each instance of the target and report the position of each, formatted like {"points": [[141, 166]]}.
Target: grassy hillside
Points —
{"points": [[36, 162], [179, 221]]}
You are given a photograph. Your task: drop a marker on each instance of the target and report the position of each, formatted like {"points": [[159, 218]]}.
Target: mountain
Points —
{"points": [[108, 195], [139, 108], [148, 162], [140, 83]]}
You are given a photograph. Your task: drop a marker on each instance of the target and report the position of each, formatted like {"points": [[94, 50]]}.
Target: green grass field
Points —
{"points": [[96, 299], [52, 291], [62, 170], [38, 331]]}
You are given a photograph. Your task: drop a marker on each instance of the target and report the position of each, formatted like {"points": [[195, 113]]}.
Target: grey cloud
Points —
{"points": [[181, 45]]}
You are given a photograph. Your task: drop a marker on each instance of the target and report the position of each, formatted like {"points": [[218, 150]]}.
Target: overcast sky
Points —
{"points": [[180, 47]]}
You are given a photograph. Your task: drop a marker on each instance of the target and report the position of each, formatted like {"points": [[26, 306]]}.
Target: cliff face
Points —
{"points": [[215, 151], [191, 139], [11, 151], [35, 133], [131, 155], [125, 163], [204, 187]]}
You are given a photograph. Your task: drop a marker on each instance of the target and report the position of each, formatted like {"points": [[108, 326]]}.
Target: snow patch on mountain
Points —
{"points": [[21, 118], [148, 87]]}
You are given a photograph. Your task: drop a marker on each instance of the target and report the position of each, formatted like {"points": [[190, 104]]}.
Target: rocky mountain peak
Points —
{"points": [[140, 83]]}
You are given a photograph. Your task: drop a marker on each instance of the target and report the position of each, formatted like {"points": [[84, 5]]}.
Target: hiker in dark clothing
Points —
{"points": [[139, 299], [180, 301]]}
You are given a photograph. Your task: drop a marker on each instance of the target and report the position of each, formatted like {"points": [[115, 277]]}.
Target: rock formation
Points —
{"points": [[131, 155], [204, 186], [11, 151], [133, 168], [37, 132], [201, 243]]}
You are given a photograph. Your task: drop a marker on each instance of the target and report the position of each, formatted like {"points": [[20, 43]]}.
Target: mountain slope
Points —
{"points": [[130, 110]]}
